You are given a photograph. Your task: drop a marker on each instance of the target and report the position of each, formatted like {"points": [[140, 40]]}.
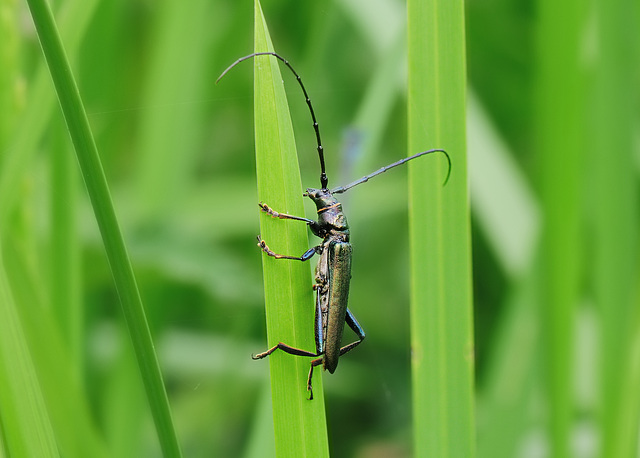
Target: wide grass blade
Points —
{"points": [[441, 296], [95, 181], [299, 424], [560, 105]]}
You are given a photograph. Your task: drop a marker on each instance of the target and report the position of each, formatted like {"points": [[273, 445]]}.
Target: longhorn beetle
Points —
{"points": [[333, 272]]}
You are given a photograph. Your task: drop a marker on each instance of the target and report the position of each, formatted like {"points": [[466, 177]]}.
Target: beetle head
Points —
{"points": [[322, 198]]}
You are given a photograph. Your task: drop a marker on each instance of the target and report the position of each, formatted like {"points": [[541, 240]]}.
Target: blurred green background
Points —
{"points": [[553, 159]]}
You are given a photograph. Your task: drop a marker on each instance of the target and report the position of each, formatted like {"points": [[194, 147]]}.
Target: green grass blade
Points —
{"points": [[560, 136], [299, 424], [162, 175], [57, 368], [9, 77], [377, 104], [503, 202], [24, 424], [441, 295], [616, 216], [64, 268], [75, 16], [512, 377], [261, 439], [95, 181]]}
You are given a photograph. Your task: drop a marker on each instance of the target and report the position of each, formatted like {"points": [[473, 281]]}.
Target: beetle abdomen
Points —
{"points": [[339, 258]]}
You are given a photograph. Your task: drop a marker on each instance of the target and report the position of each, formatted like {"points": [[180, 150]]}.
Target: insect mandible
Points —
{"points": [[333, 272]]}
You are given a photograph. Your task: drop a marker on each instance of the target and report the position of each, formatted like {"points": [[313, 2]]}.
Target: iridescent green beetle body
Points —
{"points": [[333, 276], [333, 272]]}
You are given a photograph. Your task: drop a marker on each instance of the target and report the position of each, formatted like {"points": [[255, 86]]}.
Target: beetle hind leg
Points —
{"points": [[297, 352], [355, 327], [314, 363], [285, 348]]}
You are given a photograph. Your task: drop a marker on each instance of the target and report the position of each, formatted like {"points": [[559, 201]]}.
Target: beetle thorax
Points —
{"points": [[330, 213]]}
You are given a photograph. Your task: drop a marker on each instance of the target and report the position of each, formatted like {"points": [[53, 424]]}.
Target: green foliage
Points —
{"points": [[27, 429], [95, 181], [553, 184]]}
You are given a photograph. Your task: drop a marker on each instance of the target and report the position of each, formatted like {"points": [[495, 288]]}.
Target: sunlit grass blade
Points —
{"points": [[440, 242], [23, 142], [64, 268], [377, 104], [507, 213], [512, 378], [56, 366], [299, 424], [165, 160], [261, 440], [25, 429], [502, 200], [95, 181], [10, 74], [616, 214]]}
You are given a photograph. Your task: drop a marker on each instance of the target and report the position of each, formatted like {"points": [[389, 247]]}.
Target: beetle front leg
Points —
{"points": [[313, 225], [271, 212], [305, 256]]}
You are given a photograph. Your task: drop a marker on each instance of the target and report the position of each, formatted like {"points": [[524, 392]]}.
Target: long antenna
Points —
{"points": [[366, 178], [323, 175]]}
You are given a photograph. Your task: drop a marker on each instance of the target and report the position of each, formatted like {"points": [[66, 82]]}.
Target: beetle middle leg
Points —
{"points": [[305, 256]]}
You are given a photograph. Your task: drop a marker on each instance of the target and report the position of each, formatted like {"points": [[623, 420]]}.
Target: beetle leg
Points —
{"points": [[285, 348], [297, 352], [355, 326], [305, 256], [318, 320], [270, 211], [314, 363]]}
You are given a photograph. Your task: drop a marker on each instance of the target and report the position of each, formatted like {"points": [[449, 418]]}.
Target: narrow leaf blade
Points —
{"points": [[441, 298], [299, 424]]}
